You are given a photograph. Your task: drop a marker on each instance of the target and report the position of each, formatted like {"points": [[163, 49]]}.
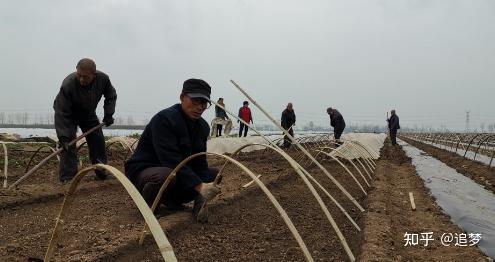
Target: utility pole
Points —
{"points": [[467, 120]]}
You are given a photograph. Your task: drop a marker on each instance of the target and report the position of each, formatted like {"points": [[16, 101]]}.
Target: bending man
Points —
{"points": [[74, 106], [337, 122], [287, 122]]}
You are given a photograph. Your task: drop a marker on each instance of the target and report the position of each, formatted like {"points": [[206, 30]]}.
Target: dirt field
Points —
{"points": [[104, 224]]}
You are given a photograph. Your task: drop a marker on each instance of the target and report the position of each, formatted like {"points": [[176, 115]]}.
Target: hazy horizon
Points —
{"points": [[429, 60]]}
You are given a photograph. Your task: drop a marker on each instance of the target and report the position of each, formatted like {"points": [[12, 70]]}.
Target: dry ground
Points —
{"points": [[104, 224]]}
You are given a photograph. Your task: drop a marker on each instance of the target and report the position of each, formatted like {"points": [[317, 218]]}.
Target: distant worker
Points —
{"points": [[337, 122], [171, 136], [74, 106], [220, 113], [393, 126], [287, 122], [244, 114]]}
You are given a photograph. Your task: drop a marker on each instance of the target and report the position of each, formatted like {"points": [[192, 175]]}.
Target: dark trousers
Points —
{"points": [[149, 181], [287, 141], [393, 136], [96, 145], [241, 127], [219, 130], [337, 133]]}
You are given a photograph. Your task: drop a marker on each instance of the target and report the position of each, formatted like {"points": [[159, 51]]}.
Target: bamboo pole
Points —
{"points": [[313, 191], [298, 169], [347, 150], [161, 240], [40, 164], [265, 190], [5, 164], [411, 199], [325, 171]]}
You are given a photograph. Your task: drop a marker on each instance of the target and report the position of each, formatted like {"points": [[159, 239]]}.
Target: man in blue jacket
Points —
{"points": [[393, 126], [172, 135]]}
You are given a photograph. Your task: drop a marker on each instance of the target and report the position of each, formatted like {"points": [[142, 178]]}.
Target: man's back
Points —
{"points": [[337, 120], [393, 123], [288, 118]]}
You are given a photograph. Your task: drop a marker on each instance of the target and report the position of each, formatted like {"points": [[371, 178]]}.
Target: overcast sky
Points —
{"points": [[430, 60]]}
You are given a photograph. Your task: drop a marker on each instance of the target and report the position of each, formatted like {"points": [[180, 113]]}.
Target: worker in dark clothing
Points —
{"points": [[171, 136], [74, 106], [393, 126], [219, 112], [288, 120], [337, 122], [244, 114]]}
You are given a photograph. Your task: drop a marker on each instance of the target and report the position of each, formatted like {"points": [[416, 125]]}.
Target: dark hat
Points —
{"points": [[196, 88]]}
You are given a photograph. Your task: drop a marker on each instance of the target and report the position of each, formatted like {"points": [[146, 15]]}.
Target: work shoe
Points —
{"points": [[174, 206], [65, 181], [200, 212], [101, 174]]}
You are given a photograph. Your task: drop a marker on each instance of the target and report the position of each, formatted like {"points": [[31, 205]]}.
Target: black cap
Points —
{"points": [[196, 88]]}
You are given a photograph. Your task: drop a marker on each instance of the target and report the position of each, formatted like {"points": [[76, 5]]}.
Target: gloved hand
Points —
{"points": [[108, 120], [207, 193], [63, 142], [210, 191]]}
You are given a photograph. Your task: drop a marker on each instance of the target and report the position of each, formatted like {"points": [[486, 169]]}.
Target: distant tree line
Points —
{"points": [[17, 119], [25, 120]]}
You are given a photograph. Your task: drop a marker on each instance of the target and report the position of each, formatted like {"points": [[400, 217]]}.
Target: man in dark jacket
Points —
{"points": [[287, 122], [393, 126], [74, 106], [171, 136], [336, 121]]}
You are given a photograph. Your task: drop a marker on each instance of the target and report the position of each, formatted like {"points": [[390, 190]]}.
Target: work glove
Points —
{"points": [[210, 191], [200, 211], [63, 142], [108, 120]]}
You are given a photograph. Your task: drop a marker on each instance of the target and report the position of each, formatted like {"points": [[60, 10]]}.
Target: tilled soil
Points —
{"points": [[104, 224], [390, 216], [478, 172]]}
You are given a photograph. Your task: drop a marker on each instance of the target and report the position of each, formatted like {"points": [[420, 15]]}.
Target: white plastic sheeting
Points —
{"points": [[468, 204], [222, 145], [470, 154], [372, 142]]}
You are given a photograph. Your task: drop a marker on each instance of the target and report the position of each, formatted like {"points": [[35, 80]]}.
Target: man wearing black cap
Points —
{"points": [[172, 135]]}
